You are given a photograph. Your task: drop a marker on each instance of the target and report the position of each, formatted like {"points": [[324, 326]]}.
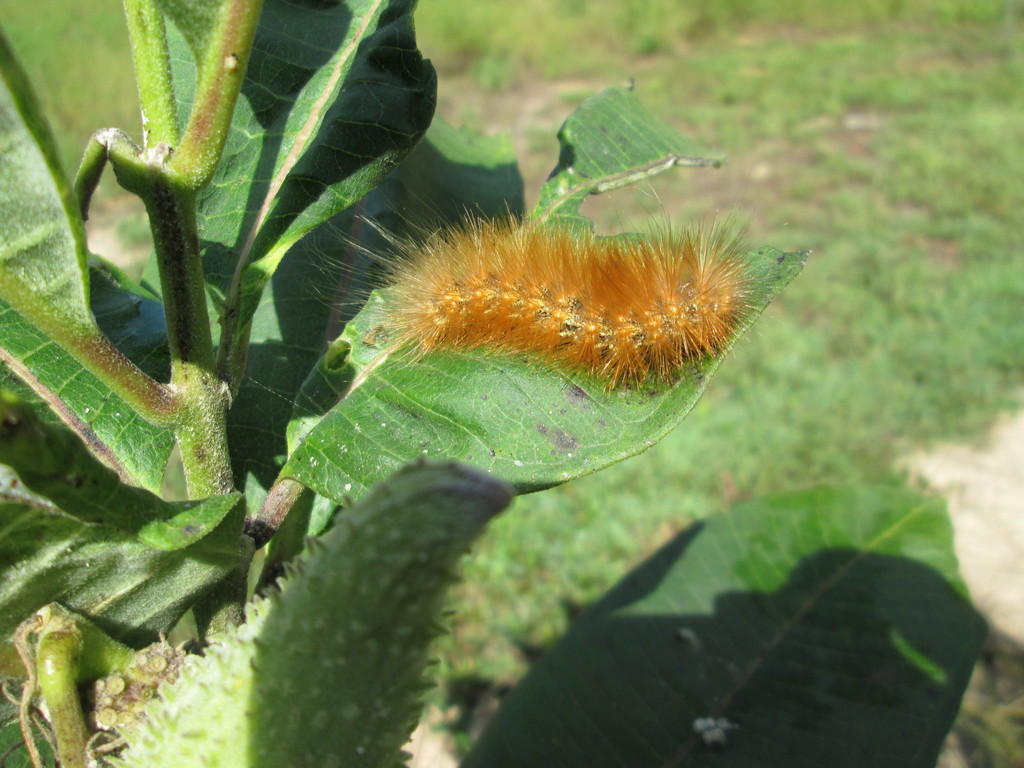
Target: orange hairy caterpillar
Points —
{"points": [[623, 309]]}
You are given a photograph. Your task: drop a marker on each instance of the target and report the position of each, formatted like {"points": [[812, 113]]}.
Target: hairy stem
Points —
{"points": [[202, 418], [292, 526], [201, 401], [152, 71], [166, 174], [219, 81]]}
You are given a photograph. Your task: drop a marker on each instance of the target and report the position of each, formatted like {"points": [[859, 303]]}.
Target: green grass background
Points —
{"points": [[885, 136]]}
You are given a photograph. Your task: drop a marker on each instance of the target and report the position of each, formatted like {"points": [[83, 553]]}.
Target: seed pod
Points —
{"points": [[329, 671]]}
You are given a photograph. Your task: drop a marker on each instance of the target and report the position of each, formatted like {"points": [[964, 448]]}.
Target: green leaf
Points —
{"points": [[821, 628], [52, 462], [324, 386], [330, 671], [79, 399], [611, 141], [44, 294], [289, 334], [530, 424], [10, 737], [130, 589], [72, 532], [42, 254]]}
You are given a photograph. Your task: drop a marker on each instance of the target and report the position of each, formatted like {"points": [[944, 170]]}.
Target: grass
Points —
{"points": [[572, 38], [884, 136], [77, 56]]}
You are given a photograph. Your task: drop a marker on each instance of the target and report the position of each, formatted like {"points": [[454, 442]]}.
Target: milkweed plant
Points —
{"points": [[283, 613]]}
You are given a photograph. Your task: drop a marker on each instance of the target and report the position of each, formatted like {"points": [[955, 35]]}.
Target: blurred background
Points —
{"points": [[886, 136]]}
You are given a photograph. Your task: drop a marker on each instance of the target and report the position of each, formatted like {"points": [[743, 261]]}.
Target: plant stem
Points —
{"points": [[167, 174], [201, 422], [57, 657], [281, 497], [289, 537], [201, 400], [219, 81], [152, 72], [89, 172]]}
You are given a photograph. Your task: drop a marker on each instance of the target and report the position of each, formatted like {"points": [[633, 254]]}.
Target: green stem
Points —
{"points": [[89, 172], [166, 175], [69, 649], [202, 420], [152, 71], [201, 400], [219, 81], [57, 657]]}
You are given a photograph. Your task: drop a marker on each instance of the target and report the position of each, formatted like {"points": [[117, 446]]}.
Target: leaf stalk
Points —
{"points": [[219, 81], [151, 56]]}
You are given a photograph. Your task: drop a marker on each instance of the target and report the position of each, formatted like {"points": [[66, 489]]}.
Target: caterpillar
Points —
{"points": [[622, 309]]}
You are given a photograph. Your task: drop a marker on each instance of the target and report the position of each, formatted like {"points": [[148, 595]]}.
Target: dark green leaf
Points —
{"points": [[453, 173], [335, 94], [132, 318], [530, 424], [289, 334], [195, 19], [820, 628], [72, 532]]}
